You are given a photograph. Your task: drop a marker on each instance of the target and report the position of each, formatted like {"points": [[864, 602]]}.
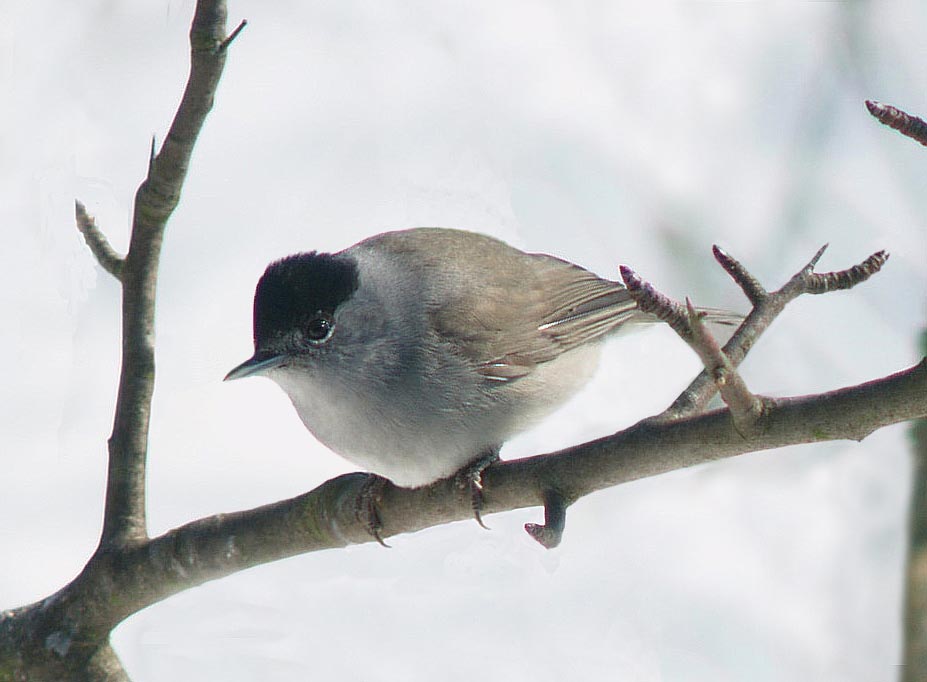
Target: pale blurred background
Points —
{"points": [[602, 132]]}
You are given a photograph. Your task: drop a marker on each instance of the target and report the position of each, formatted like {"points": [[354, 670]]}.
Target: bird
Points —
{"points": [[416, 354]]}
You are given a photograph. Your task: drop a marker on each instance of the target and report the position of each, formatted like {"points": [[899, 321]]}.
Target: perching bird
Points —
{"points": [[416, 354]]}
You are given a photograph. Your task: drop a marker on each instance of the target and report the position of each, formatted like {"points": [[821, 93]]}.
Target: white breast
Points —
{"points": [[415, 437]]}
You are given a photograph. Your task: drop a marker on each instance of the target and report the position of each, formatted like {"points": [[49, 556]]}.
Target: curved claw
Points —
{"points": [[471, 478], [551, 532], [366, 509], [476, 498]]}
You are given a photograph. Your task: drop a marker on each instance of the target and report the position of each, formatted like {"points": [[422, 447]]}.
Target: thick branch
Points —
{"points": [[124, 520], [325, 518]]}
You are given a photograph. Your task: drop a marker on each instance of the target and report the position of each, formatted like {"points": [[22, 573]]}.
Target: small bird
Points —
{"points": [[416, 354]]}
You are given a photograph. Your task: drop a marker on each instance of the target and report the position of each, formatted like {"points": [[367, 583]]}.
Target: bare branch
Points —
{"points": [[915, 603], [550, 534], [124, 517], [766, 307], [649, 300], [746, 408], [65, 636], [152, 152], [326, 518], [904, 123], [822, 283], [749, 284], [100, 247], [234, 34]]}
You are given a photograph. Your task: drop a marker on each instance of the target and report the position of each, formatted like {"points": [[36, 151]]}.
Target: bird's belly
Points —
{"points": [[414, 438]]}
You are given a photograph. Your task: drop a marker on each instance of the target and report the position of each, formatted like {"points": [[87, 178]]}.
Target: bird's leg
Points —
{"points": [[366, 506], [471, 478]]}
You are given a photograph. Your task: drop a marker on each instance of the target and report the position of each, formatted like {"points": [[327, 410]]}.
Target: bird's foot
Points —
{"points": [[367, 508], [471, 478]]}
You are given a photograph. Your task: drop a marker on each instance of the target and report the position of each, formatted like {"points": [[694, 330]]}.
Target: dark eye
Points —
{"points": [[319, 328]]}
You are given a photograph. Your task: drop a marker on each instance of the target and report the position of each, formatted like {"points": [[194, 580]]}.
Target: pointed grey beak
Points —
{"points": [[256, 364]]}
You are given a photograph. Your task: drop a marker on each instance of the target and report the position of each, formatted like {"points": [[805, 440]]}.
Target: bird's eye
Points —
{"points": [[319, 328]]}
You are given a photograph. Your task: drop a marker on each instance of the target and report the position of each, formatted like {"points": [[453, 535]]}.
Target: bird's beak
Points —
{"points": [[258, 363]]}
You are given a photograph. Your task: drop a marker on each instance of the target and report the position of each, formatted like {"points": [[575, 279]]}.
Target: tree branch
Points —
{"points": [[903, 122], [124, 517], [915, 603], [746, 408], [65, 637], [766, 307], [105, 254], [325, 518]]}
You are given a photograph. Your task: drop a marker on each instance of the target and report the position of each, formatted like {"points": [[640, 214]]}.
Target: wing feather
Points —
{"points": [[515, 310], [507, 311]]}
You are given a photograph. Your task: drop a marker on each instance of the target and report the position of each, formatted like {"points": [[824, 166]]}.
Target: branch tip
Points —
{"points": [[875, 108], [99, 246], [224, 45], [749, 284], [694, 317], [649, 300], [630, 278], [905, 123], [814, 259], [152, 153], [821, 283], [551, 532]]}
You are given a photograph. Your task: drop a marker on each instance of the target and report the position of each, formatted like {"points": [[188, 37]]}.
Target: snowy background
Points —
{"points": [[602, 132]]}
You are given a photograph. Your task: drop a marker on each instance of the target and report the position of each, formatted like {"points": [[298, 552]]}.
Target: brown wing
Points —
{"points": [[508, 311]]}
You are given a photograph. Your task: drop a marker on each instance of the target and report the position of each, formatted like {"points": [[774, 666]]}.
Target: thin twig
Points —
{"points": [[100, 247], [749, 284], [649, 300], [822, 283], [766, 307], [224, 45], [746, 408], [152, 154], [800, 282]]}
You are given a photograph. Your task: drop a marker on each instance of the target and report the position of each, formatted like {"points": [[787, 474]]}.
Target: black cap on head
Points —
{"points": [[295, 288]]}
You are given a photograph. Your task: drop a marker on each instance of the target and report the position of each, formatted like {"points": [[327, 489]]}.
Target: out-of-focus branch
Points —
{"points": [[904, 123], [914, 667]]}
